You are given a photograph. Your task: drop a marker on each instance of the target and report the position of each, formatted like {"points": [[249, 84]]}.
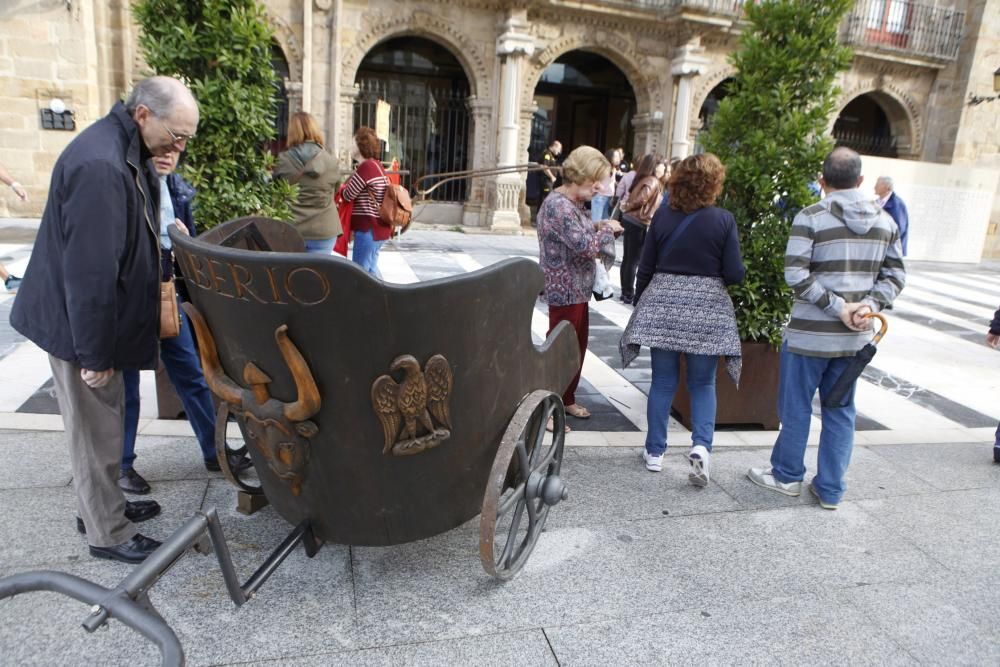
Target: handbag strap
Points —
{"points": [[669, 242]]}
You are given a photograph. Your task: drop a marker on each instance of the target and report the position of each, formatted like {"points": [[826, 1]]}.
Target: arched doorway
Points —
{"points": [[872, 124], [583, 99], [427, 91], [282, 110], [708, 109]]}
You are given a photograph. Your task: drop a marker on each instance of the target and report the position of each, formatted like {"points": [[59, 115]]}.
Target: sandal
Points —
{"points": [[551, 425], [577, 411]]}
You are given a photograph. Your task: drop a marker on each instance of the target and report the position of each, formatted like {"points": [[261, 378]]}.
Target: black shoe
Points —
{"points": [[135, 550], [627, 300], [136, 512], [130, 481], [237, 463]]}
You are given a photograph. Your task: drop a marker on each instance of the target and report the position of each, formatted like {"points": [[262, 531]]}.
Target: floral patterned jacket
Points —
{"points": [[567, 248]]}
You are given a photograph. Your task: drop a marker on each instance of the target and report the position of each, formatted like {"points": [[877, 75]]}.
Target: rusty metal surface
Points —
{"points": [[524, 484], [349, 328]]}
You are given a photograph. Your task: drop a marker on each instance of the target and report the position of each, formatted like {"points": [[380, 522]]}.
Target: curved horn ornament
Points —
{"points": [[308, 402]]}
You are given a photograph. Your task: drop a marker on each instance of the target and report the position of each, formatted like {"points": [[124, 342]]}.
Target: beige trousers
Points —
{"points": [[94, 430]]}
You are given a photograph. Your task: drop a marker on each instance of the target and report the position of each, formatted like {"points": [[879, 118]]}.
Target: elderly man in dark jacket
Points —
{"points": [[91, 294], [895, 207]]}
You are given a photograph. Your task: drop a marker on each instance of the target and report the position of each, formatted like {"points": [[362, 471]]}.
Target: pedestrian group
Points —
{"points": [[92, 292]]}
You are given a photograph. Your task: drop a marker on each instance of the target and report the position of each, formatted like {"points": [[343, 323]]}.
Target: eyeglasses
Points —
{"points": [[175, 138]]}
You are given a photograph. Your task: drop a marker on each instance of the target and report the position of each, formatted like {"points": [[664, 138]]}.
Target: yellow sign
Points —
{"points": [[382, 120]]}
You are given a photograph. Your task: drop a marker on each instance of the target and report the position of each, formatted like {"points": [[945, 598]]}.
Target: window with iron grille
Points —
{"points": [[428, 93]]}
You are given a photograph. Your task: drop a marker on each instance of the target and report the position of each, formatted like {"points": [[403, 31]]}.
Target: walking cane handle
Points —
{"points": [[882, 329]]}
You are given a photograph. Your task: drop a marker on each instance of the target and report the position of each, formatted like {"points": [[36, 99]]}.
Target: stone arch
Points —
{"points": [[706, 85], [289, 44], [380, 27], [618, 50], [899, 108]]}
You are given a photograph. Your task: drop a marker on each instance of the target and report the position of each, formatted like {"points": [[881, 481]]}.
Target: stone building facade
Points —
{"points": [[906, 95]]}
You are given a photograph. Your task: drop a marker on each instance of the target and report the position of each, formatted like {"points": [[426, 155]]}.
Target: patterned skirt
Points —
{"points": [[691, 314]]}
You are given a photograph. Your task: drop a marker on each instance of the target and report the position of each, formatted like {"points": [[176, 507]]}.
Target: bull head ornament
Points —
{"points": [[280, 431]]}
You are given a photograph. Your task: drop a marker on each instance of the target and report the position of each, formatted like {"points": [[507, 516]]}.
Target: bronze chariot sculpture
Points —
{"points": [[375, 413]]}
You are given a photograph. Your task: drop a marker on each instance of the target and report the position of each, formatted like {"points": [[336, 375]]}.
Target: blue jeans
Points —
{"points": [[184, 368], [320, 246], [366, 250], [800, 377], [600, 207], [700, 380]]}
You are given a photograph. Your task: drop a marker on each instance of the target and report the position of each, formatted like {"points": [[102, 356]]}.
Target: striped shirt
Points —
{"points": [[843, 249], [366, 188]]}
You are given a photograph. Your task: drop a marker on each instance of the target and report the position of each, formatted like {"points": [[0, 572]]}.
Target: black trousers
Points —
{"points": [[633, 239]]}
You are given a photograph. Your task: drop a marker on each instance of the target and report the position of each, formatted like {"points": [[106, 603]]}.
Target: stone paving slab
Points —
{"points": [[516, 649], [893, 576], [958, 466], [40, 525], [799, 630], [36, 459], [958, 529], [950, 621]]}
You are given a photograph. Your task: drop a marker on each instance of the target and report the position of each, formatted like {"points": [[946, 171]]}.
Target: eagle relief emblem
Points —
{"points": [[414, 410]]}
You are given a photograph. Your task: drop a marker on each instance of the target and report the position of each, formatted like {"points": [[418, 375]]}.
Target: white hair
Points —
{"points": [[159, 94], [886, 181]]}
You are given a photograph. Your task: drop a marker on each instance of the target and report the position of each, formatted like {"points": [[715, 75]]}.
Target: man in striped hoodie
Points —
{"points": [[843, 261]]}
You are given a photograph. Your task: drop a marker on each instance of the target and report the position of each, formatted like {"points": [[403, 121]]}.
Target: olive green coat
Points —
{"points": [[317, 174]]}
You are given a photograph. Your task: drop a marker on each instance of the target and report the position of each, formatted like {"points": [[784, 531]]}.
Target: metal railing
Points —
{"points": [[428, 127], [900, 26], [905, 27], [722, 7], [867, 143]]}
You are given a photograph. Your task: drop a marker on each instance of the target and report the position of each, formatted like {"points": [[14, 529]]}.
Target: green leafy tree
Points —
{"points": [[771, 133], [222, 49]]}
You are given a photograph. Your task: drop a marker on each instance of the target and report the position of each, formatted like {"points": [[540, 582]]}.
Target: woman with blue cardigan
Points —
{"points": [[692, 251]]}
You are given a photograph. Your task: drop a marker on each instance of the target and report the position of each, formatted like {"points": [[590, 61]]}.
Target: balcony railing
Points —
{"points": [[904, 27], [722, 7], [900, 27]]}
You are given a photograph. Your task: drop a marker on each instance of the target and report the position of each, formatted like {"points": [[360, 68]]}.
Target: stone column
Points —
{"points": [[512, 46], [687, 64], [343, 124], [648, 131], [480, 157]]}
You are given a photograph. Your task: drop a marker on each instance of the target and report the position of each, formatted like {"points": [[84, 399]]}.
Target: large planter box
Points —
{"points": [[755, 404]]}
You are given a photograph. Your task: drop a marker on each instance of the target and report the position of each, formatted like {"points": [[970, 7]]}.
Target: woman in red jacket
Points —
{"points": [[365, 189]]}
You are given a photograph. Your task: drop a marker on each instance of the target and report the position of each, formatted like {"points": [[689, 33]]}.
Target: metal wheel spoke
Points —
{"points": [[516, 494], [532, 516], [540, 434], [523, 460], [511, 536]]}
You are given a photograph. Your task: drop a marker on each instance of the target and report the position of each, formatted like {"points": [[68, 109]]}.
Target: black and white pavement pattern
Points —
{"points": [[932, 373]]}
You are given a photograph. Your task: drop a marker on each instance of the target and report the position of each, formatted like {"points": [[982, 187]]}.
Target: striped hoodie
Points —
{"points": [[842, 249]]}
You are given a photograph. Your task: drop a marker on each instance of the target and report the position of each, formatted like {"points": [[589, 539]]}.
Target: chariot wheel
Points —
{"points": [[223, 451], [524, 484]]}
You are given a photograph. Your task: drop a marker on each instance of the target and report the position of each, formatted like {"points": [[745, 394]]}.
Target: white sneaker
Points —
{"points": [[822, 503], [699, 458], [763, 477], [653, 463]]}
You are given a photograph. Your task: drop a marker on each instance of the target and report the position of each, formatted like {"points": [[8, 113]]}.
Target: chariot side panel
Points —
{"points": [[380, 461]]}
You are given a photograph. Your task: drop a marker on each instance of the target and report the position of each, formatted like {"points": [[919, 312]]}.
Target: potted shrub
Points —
{"points": [[770, 131]]}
